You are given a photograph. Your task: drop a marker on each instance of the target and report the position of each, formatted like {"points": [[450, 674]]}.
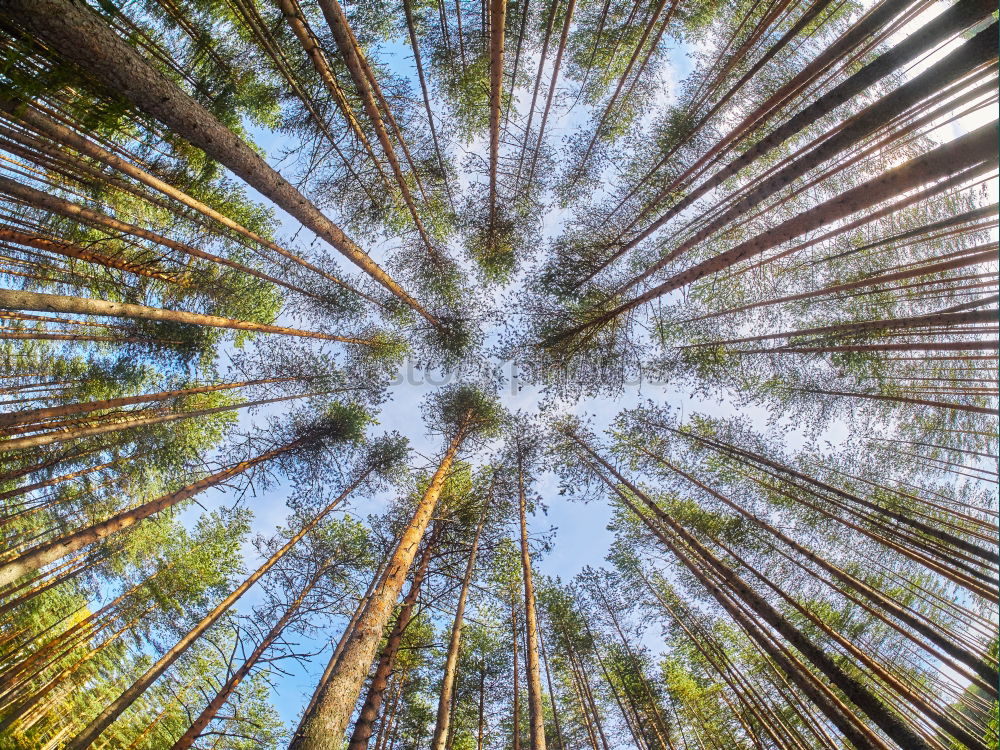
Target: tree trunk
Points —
{"points": [[536, 713], [440, 736], [11, 299], [957, 17], [59, 436], [59, 247], [357, 67], [88, 216], [64, 135], [323, 728], [498, 19], [552, 88], [35, 558], [415, 46], [34, 415], [344, 638], [857, 692], [93, 731], [552, 692], [81, 36], [923, 270], [516, 713], [968, 154], [380, 680], [875, 596]]}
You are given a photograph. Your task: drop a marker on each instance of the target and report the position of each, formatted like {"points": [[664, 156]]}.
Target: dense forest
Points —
{"points": [[227, 225]]}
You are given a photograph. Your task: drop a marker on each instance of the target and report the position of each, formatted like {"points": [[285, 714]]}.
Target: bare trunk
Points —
{"points": [[34, 415], [110, 714], [535, 711], [18, 300], [142, 420], [323, 728], [62, 134], [440, 736], [383, 671], [35, 558], [969, 154], [59, 247], [498, 18], [82, 37], [357, 67]]}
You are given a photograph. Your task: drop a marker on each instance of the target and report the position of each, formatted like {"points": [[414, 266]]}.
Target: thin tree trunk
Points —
{"points": [[35, 415], [59, 247], [35, 558], [924, 270], [414, 44], [516, 714], [11, 299], [858, 693], [81, 36], [956, 18], [383, 671], [59, 436], [446, 697], [498, 19], [552, 692], [337, 21], [535, 711], [87, 147], [88, 216], [110, 714], [971, 153], [323, 728], [344, 638]]}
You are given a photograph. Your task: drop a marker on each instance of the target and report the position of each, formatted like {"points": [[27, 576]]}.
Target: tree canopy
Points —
{"points": [[499, 375]]}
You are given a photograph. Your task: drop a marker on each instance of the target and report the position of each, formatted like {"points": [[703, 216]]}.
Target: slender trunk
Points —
{"points": [[59, 247], [110, 714], [323, 728], [87, 147], [959, 16], [924, 270], [35, 558], [552, 692], [481, 724], [380, 680], [857, 692], [971, 55], [609, 107], [516, 715], [82, 37], [440, 736], [536, 713], [357, 66], [414, 44], [18, 300], [498, 18], [107, 223], [552, 88], [218, 701], [62, 478], [34, 415], [59, 436], [971, 153], [300, 27], [344, 638], [875, 596], [872, 326], [906, 400]]}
